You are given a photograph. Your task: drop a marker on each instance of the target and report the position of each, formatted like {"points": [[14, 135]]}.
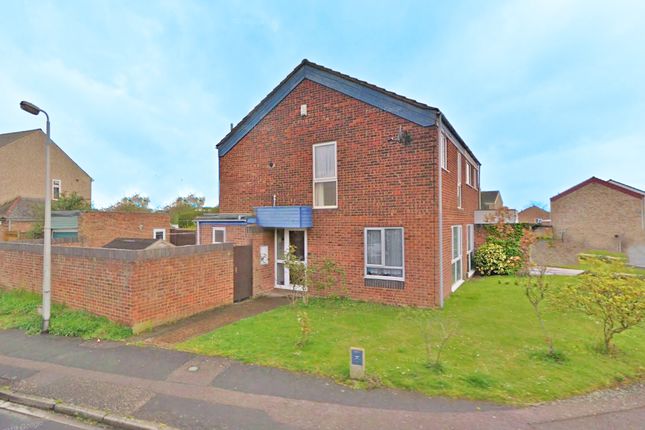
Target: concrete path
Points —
{"points": [[158, 385], [210, 320], [559, 271]]}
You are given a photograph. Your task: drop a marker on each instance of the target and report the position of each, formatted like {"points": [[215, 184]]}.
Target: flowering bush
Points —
{"points": [[490, 259]]}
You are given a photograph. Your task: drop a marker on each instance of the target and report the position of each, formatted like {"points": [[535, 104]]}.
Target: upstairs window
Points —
{"points": [[469, 174], [325, 182], [56, 189], [159, 233], [384, 253], [443, 155]]}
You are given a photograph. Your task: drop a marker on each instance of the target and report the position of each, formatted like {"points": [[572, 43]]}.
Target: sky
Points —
{"points": [[546, 93]]}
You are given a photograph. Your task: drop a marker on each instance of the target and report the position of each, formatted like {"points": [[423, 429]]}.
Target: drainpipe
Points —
{"points": [[440, 129], [198, 241]]}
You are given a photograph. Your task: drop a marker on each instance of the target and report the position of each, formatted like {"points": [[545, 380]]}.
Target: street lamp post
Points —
{"points": [[47, 248]]}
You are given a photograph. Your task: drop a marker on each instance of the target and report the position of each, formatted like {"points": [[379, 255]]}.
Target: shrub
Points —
{"points": [[490, 259], [609, 296]]}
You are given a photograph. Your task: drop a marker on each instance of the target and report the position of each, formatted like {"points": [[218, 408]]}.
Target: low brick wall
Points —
{"points": [[137, 288]]}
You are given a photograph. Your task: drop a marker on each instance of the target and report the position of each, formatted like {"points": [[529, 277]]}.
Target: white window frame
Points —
{"points": [[460, 257], [159, 230], [287, 281], [383, 266], [57, 183], [469, 172], [222, 229], [459, 188], [475, 178], [443, 154], [470, 248], [319, 180]]}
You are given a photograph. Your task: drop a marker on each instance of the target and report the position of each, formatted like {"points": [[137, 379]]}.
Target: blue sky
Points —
{"points": [[546, 93]]}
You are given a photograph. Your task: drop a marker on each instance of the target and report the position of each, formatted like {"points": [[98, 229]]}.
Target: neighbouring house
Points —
{"points": [[94, 229], [599, 214], [22, 177], [534, 215], [340, 169], [22, 168], [137, 244], [17, 217], [491, 200], [491, 208]]}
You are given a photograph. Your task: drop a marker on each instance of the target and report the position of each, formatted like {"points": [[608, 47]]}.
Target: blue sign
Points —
{"points": [[357, 357]]}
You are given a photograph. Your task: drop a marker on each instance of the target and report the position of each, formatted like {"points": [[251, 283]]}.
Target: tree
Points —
{"points": [[71, 202], [134, 203], [66, 202], [615, 299], [536, 288], [184, 210]]}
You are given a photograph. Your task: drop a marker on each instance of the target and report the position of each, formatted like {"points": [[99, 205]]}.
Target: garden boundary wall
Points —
{"points": [[141, 288]]}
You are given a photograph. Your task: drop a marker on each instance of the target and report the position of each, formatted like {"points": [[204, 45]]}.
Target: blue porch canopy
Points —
{"points": [[284, 216]]}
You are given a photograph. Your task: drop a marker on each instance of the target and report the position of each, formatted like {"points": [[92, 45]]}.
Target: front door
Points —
{"points": [[284, 238]]}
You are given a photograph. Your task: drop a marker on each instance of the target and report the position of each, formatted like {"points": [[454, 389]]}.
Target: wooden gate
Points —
{"points": [[243, 279]]}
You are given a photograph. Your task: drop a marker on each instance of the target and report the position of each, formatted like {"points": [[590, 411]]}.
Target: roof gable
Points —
{"points": [[7, 138], [630, 191], [411, 110]]}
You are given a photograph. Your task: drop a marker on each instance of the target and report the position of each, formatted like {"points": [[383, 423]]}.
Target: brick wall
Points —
{"points": [[453, 214], [263, 280], [594, 214], [380, 184], [136, 288], [95, 229]]}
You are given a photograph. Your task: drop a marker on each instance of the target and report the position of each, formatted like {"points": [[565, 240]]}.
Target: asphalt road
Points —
{"points": [[10, 420]]}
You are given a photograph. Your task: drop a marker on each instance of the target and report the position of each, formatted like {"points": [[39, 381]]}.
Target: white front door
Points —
{"points": [[284, 238]]}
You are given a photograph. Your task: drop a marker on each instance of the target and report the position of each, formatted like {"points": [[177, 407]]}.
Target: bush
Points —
{"points": [[490, 259]]}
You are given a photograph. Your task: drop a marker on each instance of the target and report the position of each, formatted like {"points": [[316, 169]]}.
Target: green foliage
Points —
{"points": [[324, 276], [536, 289], [490, 259], [184, 210], [497, 354], [134, 203], [71, 202], [507, 247], [305, 328], [19, 309], [614, 299]]}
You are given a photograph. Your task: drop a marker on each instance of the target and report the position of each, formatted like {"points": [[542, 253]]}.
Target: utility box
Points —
{"points": [[356, 363]]}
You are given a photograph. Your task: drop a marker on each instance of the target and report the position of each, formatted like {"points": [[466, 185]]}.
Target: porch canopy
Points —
{"points": [[284, 216]]}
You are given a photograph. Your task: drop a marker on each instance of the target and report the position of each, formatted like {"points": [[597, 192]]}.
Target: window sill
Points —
{"points": [[456, 285], [392, 284], [325, 207]]}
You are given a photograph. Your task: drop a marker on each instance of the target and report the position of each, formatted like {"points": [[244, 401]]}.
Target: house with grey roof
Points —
{"points": [[22, 178]]}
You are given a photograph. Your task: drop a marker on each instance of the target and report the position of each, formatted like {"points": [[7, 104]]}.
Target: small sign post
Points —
{"points": [[356, 363]]}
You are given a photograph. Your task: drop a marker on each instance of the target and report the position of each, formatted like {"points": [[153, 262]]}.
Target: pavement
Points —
{"points": [[195, 392]]}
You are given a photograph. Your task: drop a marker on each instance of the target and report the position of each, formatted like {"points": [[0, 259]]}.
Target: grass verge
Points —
{"points": [[18, 309], [496, 354]]}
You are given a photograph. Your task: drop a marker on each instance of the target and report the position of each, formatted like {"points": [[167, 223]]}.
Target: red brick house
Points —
{"points": [[599, 214], [341, 169]]}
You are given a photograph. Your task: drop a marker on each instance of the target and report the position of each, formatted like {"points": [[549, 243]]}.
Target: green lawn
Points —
{"points": [[495, 354], [18, 309], [585, 265]]}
